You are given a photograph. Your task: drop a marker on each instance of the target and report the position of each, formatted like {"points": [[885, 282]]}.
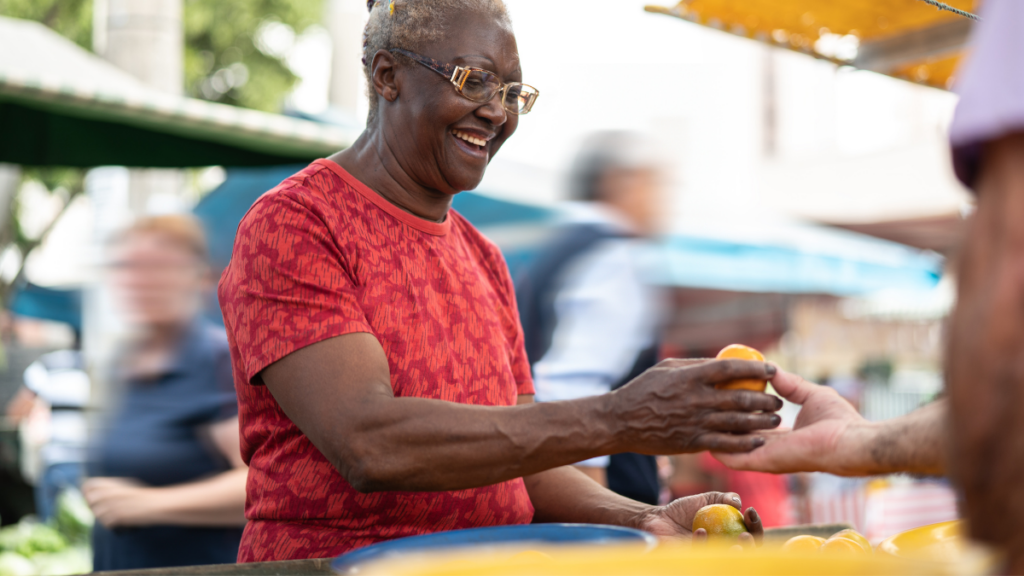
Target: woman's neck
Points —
{"points": [[372, 161]]}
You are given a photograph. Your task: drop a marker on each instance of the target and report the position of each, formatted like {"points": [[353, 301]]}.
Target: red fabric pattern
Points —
{"points": [[322, 255]]}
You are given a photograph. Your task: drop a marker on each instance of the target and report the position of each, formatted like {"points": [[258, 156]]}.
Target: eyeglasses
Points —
{"points": [[480, 85]]}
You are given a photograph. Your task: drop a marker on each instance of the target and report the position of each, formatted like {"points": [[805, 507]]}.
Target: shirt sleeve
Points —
{"points": [[288, 285], [990, 85]]}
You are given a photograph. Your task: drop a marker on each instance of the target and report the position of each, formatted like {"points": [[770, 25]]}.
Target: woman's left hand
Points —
{"points": [[119, 502], [675, 519]]}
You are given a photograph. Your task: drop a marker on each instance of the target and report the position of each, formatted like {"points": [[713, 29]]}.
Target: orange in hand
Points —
{"points": [[741, 352], [720, 521]]}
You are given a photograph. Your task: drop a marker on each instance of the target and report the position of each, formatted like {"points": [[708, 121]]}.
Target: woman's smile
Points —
{"points": [[472, 142]]}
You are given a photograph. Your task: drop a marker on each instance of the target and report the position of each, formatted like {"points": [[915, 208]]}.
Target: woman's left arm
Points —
{"points": [[218, 501], [565, 494]]}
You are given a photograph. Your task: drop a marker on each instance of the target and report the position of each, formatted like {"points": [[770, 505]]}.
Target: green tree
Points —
{"points": [[224, 58]]}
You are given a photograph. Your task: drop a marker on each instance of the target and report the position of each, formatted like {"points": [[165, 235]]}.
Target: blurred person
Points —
{"points": [[383, 385], [167, 479], [57, 380], [590, 320], [980, 420]]}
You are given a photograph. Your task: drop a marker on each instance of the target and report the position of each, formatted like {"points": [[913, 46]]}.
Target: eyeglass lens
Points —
{"points": [[481, 87]]}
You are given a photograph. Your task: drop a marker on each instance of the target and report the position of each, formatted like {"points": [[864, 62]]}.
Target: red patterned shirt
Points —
{"points": [[322, 255]]}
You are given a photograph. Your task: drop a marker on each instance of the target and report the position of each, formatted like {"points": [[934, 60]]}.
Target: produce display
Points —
{"points": [[741, 352], [31, 548], [849, 542]]}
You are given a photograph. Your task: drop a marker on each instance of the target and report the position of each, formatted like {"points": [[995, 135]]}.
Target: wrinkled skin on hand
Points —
{"points": [[674, 408], [675, 519]]}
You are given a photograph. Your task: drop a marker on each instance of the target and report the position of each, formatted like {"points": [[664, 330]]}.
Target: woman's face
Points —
{"points": [[156, 281], [424, 123]]}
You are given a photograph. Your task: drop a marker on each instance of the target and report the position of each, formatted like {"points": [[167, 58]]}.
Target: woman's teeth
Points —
{"points": [[468, 138]]}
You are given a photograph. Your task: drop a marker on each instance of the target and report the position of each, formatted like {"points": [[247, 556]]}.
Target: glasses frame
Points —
{"points": [[458, 75]]}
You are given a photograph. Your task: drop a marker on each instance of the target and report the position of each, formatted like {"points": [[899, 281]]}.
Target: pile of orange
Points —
{"points": [[843, 542]]}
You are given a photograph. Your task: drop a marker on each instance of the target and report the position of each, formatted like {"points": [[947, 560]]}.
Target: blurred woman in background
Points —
{"points": [[167, 480]]}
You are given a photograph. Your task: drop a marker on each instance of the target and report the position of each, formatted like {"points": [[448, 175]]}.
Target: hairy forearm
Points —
{"points": [[422, 445], [215, 501], [565, 494], [911, 444]]}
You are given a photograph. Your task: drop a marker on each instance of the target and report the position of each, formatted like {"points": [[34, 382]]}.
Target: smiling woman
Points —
{"points": [[383, 385]]}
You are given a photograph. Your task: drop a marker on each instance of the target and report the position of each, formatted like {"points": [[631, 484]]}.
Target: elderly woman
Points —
{"points": [[383, 386]]}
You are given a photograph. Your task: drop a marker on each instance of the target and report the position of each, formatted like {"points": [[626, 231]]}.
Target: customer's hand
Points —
{"points": [[674, 408], [822, 439], [119, 502], [676, 519]]}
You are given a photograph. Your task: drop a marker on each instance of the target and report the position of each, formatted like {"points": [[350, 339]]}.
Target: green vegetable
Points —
{"points": [[74, 518], [75, 560], [14, 564], [29, 538]]}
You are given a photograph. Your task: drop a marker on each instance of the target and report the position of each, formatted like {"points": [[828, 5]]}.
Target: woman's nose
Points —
{"points": [[493, 111]]}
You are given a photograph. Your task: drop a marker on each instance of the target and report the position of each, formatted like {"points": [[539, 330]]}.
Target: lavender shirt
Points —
{"points": [[991, 85]]}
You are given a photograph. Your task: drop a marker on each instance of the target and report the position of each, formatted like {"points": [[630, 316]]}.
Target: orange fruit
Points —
{"points": [[856, 537], [843, 546], [720, 520], [803, 543], [741, 352]]}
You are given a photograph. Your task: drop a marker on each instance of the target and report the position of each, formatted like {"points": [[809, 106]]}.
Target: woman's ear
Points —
{"points": [[383, 75]]}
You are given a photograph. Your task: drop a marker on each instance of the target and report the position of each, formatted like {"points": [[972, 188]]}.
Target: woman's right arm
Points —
{"points": [[338, 392]]}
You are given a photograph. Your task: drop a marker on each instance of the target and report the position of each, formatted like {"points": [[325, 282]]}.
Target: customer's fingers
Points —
{"points": [[793, 387]]}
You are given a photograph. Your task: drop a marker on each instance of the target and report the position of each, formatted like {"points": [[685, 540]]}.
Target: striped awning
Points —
{"points": [[909, 39], [61, 105]]}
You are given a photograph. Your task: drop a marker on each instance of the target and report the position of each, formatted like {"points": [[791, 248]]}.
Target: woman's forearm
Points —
{"points": [[215, 501], [418, 444], [338, 392], [565, 494]]}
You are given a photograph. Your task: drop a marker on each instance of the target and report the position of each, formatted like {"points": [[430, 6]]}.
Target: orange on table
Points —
{"points": [[843, 546], [856, 537], [803, 543], [741, 352], [720, 521]]}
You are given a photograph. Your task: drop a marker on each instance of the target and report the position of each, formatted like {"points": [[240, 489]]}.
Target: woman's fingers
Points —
{"points": [[754, 526], [741, 421], [728, 443], [717, 371]]}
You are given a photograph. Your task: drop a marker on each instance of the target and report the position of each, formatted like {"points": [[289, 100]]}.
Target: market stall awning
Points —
{"points": [[62, 105], [909, 39]]}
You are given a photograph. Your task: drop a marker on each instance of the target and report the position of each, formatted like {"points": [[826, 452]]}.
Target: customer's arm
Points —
{"points": [[831, 436], [338, 392], [212, 502], [985, 368]]}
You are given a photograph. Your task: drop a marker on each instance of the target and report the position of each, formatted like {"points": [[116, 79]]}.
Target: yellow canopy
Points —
{"points": [[909, 39]]}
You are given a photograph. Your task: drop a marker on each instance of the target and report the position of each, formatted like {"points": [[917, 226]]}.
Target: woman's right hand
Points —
{"points": [[674, 408]]}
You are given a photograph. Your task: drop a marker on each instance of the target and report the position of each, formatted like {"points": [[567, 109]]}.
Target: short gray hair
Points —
{"points": [[602, 152], [410, 24]]}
